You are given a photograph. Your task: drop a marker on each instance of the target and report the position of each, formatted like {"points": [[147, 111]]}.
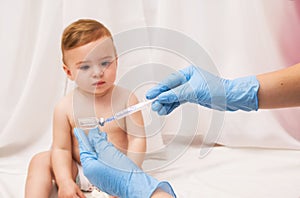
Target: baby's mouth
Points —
{"points": [[99, 83]]}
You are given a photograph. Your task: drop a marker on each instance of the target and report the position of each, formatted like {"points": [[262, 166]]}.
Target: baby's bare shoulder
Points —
{"points": [[124, 96], [123, 93], [121, 90]]}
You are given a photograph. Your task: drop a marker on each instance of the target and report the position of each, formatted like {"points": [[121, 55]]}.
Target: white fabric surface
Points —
{"points": [[234, 173], [225, 172], [241, 37]]}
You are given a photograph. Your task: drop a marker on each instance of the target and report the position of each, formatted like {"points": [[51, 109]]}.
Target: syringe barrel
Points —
{"points": [[131, 109], [126, 112]]}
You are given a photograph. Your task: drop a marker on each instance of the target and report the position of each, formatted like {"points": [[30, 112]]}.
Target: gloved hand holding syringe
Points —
{"points": [[92, 122]]}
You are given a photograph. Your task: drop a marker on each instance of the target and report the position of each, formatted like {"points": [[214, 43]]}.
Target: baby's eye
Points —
{"points": [[84, 67], [105, 63]]}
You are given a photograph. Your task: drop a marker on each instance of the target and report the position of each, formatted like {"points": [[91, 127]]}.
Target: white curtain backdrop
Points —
{"points": [[241, 37]]}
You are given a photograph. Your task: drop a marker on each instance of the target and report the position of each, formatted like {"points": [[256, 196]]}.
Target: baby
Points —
{"points": [[90, 60]]}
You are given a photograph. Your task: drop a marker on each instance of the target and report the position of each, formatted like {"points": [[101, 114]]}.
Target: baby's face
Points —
{"points": [[92, 66]]}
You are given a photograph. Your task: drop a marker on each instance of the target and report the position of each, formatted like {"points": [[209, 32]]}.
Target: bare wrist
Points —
{"points": [[159, 193]]}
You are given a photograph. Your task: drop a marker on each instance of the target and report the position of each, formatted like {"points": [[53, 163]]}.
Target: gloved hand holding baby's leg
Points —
{"points": [[112, 171]]}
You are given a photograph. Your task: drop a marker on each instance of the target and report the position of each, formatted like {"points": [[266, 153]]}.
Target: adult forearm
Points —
{"points": [[62, 165], [280, 88]]}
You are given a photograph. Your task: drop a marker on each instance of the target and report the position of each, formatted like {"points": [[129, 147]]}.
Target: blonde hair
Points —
{"points": [[81, 32]]}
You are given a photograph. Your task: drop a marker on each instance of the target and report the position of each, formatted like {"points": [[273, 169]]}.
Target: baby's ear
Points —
{"points": [[68, 72]]}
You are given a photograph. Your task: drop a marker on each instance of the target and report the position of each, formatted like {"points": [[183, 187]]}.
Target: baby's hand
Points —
{"points": [[69, 189], [100, 194]]}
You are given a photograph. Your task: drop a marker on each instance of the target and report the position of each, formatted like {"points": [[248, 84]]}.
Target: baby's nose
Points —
{"points": [[97, 71]]}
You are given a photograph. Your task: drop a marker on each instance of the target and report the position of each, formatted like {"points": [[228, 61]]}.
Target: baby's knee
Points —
{"points": [[43, 158]]}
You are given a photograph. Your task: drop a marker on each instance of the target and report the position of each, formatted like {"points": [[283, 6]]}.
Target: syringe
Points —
{"points": [[126, 112], [92, 122]]}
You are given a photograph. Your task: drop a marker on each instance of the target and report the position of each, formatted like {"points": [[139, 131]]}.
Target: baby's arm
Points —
{"points": [[61, 155], [136, 135]]}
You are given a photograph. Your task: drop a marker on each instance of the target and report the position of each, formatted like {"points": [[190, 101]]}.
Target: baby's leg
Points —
{"points": [[39, 176]]}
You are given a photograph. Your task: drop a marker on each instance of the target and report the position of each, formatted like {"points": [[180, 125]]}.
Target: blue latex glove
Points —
{"points": [[193, 84], [111, 171]]}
